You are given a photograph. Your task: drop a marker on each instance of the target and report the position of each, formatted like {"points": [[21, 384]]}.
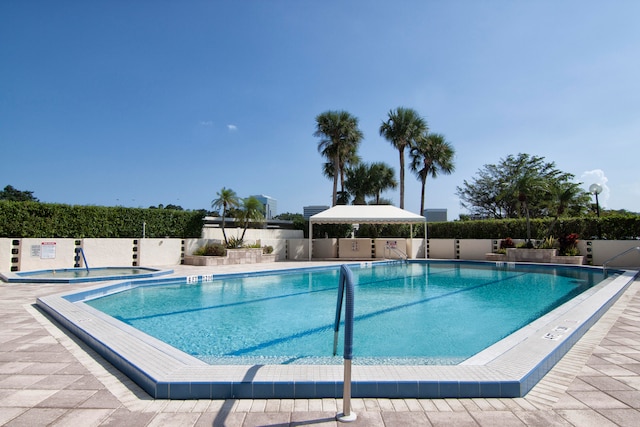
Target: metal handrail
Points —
{"points": [[84, 258], [398, 252], [604, 264], [345, 287]]}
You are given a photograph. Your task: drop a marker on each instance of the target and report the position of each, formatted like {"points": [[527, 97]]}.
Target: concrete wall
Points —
{"points": [[5, 254], [46, 254], [416, 248], [603, 250], [384, 248], [355, 248], [111, 252], [155, 252], [252, 234], [325, 248], [442, 248], [297, 249], [473, 249]]}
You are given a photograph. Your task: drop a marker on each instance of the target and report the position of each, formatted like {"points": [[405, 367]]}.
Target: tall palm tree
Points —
{"points": [[402, 129], [350, 158], [227, 199], [252, 211], [431, 155], [340, 137], [382, 178]]}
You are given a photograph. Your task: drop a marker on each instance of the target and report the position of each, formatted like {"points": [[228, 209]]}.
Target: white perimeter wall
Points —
{"points": [[110, 252], [6, 255], [46, 254], [154, 252], [442, 248], [252, 234]]}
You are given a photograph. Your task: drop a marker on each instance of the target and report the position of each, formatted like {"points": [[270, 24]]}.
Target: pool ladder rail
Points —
{"points": [[404, 257], [345, 287], [604, 264]]}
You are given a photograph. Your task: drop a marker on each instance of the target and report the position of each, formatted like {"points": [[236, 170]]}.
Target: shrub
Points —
{"points": [[569, 244], [267, 250], [212, 249], [234, 243], [548, 243]]}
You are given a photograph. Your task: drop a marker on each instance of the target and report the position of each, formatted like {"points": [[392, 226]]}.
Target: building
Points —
{"points": [[309, 211], [270, 206], [435, 215]]}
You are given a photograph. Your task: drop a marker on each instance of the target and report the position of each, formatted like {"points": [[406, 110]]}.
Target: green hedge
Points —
{"points": [[39, 220], [614, 227]]}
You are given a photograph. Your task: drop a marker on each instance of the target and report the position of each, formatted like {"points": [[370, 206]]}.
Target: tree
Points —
{"points": [[340, 137], [350, 158], [382, 178], [431, 155], [402, 129], [516, 185], [358, 183], [14, 195], [365, 180], [226, 200], [252, 211], [565, 196]]}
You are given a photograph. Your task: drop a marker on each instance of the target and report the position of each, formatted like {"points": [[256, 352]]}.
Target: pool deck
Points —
{"points": [[48, 377]]}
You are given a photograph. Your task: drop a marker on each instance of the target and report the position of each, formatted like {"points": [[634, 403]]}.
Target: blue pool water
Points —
{"points": [[415, 313], [79, 275]]}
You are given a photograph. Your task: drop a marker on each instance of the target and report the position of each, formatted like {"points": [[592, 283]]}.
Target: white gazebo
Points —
{"points": [[366, 214]]}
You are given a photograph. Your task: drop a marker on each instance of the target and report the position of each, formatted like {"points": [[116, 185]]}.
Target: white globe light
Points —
{"points": [[595, 189]]}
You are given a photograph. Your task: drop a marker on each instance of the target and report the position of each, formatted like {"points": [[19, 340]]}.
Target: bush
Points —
{"points": [[212, 249], [267, 250], [42, 220]]}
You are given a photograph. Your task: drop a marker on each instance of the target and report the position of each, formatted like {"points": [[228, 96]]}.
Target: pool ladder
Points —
{"points": [[84, 258], [604, 264], [345, 287]]}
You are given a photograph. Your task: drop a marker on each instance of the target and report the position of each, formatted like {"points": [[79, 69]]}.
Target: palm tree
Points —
{"points": [[340, 137], [431, 155], [252, 211], [525, 182], [562, 196], [349, 159], [402, 129], [227, 199], [358, 183], [382, 178]]}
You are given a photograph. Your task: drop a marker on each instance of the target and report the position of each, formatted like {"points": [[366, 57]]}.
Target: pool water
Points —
{"points": [[69, 273], [415, 313], [79, 275]]}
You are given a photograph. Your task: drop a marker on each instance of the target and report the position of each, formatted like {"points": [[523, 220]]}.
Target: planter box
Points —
{"points": [[530, 255], [234, 256], [495, 257], [577, 259]]}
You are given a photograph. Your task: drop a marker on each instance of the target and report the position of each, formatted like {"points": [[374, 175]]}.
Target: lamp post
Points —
{"points": [[596, 189]]}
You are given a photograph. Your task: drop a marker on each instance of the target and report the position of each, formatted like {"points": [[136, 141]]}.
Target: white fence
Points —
{"points": [[45, 254]]}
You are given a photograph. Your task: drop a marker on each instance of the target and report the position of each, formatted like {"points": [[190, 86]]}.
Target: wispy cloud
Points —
{"points": [[232, 128], [206, 123]]}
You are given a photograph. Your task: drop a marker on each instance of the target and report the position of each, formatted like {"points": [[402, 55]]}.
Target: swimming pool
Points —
{"points": [[508, 368], [415, 313], [80, 275]]}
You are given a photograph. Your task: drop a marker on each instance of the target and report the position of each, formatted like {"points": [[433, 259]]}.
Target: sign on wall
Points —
{"points": [[48, 250]]}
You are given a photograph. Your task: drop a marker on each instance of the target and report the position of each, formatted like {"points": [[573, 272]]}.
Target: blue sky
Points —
{"points": [[137, 103]]}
